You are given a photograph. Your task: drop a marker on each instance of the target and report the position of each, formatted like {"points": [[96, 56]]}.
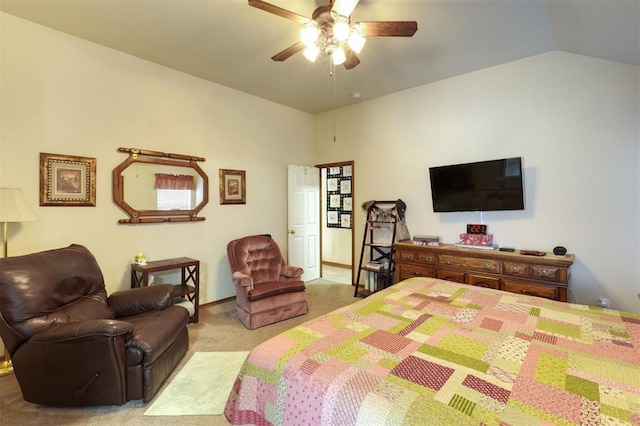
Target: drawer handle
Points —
{"points": [[525, 292], [417, 274], [447, 261], [544, 273], [515, 269], [425, 258], [487, 266]]}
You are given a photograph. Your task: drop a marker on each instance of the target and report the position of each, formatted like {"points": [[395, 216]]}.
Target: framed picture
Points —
{"points": [[232, 187], [345, 220], [332, 217], [347, 203], [66, 180], [334, 170], [332, 184], [345, 186], [334, 201]]}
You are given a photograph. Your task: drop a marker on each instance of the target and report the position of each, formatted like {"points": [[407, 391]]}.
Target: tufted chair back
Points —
{"points": [[259, 257]]}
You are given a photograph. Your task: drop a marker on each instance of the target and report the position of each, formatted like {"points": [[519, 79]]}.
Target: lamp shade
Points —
{"points": [[356, 42], [341, 31], [14, 207], [309, 34], [338, 56]]}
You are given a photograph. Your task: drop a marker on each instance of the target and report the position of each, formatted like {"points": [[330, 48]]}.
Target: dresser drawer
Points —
{"points": [[549, 273], [415, 256], [516, 269], [530, 289], [486, 265], [451, 275], [408, 270], [487, 282]]}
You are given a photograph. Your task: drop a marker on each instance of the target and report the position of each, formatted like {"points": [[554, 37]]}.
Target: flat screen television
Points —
{"points": [[481, 186]]}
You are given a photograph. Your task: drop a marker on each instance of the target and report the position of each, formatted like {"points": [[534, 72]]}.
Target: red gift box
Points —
{"points": [[476, 239]]}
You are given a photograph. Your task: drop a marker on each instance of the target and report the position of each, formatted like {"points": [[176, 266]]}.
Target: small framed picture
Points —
{"points": [[347, 203], [332, 218], [232, 187], [67, 180], [345, 186], [332, 184], [345, 220]]}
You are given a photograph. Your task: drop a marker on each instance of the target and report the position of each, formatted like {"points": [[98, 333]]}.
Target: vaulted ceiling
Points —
{"points": [[231, 43]]}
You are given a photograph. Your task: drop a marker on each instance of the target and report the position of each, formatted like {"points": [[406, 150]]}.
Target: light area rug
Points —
{"points": [[201, 387]]}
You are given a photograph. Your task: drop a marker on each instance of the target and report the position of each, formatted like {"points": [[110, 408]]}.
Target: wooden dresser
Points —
{"points": [[544, 276]]}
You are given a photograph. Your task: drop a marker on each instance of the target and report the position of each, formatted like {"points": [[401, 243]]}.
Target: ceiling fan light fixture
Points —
{"points": [[311, 52], [356, 41], [337, 56], [309, 33], [329, 30]]}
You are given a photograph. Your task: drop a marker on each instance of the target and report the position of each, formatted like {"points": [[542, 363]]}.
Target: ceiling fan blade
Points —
{"points": [[344, 7], [288, 52], [352, 60], [387, 28], [268, 7]]}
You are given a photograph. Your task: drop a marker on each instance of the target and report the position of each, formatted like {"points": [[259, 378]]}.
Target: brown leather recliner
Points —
{"points": [[267, 290], [71, 345]]}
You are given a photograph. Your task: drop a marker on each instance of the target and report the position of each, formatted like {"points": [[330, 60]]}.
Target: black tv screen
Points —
{"points": [[481, 186]]}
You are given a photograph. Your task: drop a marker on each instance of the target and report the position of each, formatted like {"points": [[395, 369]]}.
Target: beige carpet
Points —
{"points": [[218, 330], [201, 387]]}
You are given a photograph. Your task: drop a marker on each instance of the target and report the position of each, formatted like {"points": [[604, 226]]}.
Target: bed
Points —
{"points": [[433, 352]]}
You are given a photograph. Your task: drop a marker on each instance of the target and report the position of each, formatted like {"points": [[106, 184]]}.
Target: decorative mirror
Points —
{"points": [[157, 187]]}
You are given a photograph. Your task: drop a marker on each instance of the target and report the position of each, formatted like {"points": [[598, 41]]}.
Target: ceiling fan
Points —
{"points": [[330, 30]]}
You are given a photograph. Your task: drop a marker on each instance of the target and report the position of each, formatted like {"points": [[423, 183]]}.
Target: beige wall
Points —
{"points": [[573, 119], [67, 96]]}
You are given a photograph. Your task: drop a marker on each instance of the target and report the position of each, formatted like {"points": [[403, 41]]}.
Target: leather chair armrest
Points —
{"points": [[242, 280], [291, 272], [83, 330], [135, 301]]}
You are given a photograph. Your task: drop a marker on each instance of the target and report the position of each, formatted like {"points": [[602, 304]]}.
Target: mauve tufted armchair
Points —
{"points": [[267, 290]]}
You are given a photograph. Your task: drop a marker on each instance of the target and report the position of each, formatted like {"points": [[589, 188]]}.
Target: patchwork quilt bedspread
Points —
{"points": [[432, 352]]}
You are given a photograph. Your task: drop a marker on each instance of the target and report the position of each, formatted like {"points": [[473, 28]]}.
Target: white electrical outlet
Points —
{"points": [[603, 302]]}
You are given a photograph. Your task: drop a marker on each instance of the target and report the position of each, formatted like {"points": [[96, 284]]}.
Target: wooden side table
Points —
{"points": [[189, 286]]}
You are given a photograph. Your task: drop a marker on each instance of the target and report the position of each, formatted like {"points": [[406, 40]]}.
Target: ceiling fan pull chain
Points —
{"points": [[334, 100]]}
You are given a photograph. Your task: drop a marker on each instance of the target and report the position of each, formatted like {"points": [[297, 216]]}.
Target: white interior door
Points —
{"points": [[303, 242]]}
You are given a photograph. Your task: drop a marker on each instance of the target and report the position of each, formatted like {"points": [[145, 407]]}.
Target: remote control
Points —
{"points": [[532, 253], [507, 249]]}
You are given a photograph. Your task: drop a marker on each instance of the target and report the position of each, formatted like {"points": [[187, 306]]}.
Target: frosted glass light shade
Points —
{"points": [[309, 34], [356, 42], [338, 56], [311, 52], [341, 31]]}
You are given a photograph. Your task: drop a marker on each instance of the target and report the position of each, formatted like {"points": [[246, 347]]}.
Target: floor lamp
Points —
{"points": [[13, 208]]}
